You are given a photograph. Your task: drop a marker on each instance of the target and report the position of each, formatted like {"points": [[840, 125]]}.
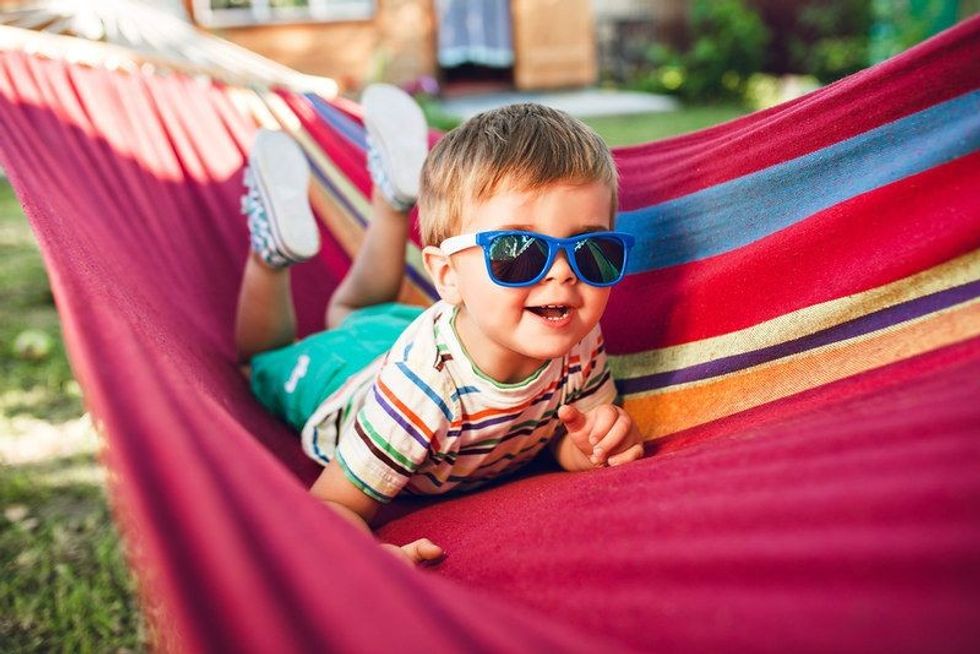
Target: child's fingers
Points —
{"points": [[422, 550], [631, 454], [613, 438], [604, 417], [573, 419], [577, 426]]}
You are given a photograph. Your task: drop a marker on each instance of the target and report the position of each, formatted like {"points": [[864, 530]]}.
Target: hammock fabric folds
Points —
{"points": [[799, 336]]}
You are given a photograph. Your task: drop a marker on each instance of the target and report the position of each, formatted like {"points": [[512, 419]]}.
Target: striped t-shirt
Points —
{"points": [[424, 419]]}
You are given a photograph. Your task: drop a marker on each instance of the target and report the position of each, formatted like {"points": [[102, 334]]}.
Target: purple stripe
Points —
{"points": [[859, 326], [397, 417], [347, 127], [468, 426], [335, 192]]}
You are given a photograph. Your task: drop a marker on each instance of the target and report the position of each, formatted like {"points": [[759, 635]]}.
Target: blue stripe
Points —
{"points": [[338, 120], [320, 456], [435, 397], [465, 390], [730, 215]]}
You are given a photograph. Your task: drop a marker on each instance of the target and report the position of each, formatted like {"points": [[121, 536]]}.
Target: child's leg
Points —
{"points": [[375, 276], [266, 318], [398, 144], [283, 231]]}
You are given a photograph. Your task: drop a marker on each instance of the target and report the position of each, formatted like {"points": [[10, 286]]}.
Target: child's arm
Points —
{"points": [[336, 491], [604, 435]]}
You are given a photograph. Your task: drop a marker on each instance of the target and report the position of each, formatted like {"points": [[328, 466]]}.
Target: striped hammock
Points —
{"points": [[798, 336]]}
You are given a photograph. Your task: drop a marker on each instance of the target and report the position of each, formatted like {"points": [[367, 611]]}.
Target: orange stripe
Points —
{"points": [[520, 407], [408, 413], [664, 412]]}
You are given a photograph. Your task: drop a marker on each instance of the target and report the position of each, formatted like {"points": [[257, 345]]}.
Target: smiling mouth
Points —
{"points": [[551, 311]]}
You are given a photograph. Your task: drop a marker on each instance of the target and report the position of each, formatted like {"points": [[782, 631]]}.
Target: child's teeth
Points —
{"points": [[552, 311]]}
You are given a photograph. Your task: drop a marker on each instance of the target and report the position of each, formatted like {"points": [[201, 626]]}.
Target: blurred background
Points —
{"points": [[636, 70]]}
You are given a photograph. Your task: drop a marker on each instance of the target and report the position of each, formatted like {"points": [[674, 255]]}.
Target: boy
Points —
{"points": [[516, 208]]}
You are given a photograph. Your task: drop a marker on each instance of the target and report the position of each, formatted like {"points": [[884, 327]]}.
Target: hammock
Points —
{"points": [[799, 336]]}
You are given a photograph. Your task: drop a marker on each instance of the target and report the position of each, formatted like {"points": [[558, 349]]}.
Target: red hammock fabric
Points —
{"points": [[845, 517]]}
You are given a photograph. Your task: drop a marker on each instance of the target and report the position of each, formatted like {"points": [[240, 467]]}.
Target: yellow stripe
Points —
{"points": [[799, 323], [666, 411]]}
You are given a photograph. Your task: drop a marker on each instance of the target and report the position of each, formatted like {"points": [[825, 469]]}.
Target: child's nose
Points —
{"points": [[561, 271]]}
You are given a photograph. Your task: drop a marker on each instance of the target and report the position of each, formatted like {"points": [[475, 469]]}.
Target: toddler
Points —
{"points": [[515, 209]]}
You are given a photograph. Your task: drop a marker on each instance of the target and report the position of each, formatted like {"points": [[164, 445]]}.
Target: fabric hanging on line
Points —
{"points": [[474, 32], [801, 340]]}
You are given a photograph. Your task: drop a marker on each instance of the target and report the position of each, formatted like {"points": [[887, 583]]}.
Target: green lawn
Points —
{"points": [[630, 130], [624, 130], [63, 583]]}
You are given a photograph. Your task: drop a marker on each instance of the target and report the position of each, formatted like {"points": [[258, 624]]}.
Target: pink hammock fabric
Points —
{"points": [[802, 329]]}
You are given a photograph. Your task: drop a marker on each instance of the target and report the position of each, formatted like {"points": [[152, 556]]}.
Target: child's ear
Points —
{"points": [[442, 273]]}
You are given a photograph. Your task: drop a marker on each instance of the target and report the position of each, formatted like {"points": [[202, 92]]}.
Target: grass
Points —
{"points": [[64, 584], [41, 387], [630, 130], [620, 130]]}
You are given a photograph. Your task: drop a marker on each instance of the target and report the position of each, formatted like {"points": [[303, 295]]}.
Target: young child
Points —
{"points": [[516, 209]]}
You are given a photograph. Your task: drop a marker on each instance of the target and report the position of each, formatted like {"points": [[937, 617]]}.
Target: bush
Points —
{"points": [[831, 38], [729, 42], [899, 25]]}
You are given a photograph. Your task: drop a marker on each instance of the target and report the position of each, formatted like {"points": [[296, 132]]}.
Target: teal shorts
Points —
{"points": [[293, 381]]}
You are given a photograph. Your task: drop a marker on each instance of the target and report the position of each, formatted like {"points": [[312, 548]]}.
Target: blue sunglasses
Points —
{"points": [[515, 258]]}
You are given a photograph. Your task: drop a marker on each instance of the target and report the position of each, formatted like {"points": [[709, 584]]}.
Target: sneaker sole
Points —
{"points": [[282, 176], [399, 132]]}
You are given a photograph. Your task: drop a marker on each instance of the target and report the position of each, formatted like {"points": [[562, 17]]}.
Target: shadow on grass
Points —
{"points": [[64, 583], [38, 384]]}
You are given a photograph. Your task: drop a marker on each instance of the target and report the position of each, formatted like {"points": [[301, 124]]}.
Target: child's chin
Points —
{"points": [[544, 353]]}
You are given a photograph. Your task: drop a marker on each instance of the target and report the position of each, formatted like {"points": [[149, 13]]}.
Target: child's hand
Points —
{"points": [[606, 435], [422, 550]]}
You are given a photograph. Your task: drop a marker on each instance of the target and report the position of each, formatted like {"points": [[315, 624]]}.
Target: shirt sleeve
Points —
{"points": [[405, 414], [593, 384]]}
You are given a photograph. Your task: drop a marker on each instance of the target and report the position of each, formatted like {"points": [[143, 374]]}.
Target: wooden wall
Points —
{"points": [[398, 44], [554, 43]]}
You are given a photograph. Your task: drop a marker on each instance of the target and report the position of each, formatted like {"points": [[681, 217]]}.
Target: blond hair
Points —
{"points": [[523, 147]]}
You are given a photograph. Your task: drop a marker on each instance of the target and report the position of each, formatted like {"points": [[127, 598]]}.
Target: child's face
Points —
{"points": [[498, 326]]}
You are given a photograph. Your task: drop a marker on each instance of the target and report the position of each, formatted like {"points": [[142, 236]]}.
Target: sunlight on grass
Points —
{"points": [[643, 128], [64, 583]]}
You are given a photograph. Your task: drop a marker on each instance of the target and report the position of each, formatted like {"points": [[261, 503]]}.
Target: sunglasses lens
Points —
{"points": [[600, 259], [517, 258]]}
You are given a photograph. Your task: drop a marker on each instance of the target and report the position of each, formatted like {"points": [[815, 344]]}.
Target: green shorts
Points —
{"points": [[293, 381]]}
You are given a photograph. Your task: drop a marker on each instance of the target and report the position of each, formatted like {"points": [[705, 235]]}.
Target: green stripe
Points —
{"points": [[593, 380], [545, 418], [384, 445], [361, 486]]}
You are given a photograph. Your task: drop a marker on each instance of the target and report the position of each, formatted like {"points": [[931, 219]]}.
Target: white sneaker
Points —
{"points": [[282, 226], [398, 142]]}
